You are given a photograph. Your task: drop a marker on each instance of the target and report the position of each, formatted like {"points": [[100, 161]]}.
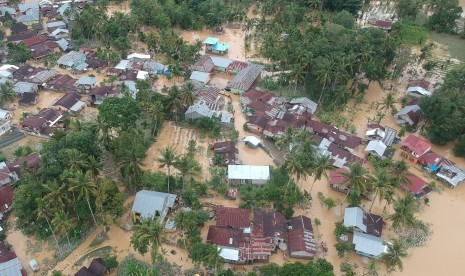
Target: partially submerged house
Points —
{"points": [[248, 174], [416, 186], [152, 205], [452, 175], [228, 151], [377, 148], [85, 84], [98, 94], [414, 148], [200, 76], [418, 92], [232, 244], [233, 217], [302, 243], [25, 87], [368, 245], [337, 180], [362, 221], [334, 135], [199, 110], [42, 124], [73, 61], [270, 225], [70, 102], [252, 141], [308, 104], [30, 14], [62, 83], [377, 132], [30, 162], [212, 45], [9, 263], [245, 78], [408, 115]]}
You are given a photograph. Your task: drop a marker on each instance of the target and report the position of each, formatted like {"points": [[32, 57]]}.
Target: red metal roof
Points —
{"points": [[233, 217], [335, 176], [35, 40], [225, 236], [301, 236], [383, 24], [5, 254], [269, 225], [416, 184], [6, 197], [420, 82], [417, 145]]}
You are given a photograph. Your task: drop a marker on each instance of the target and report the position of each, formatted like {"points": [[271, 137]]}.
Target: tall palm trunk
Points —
{"points": [[91, 212], [54, 236], [311, 188], [169, 174]]}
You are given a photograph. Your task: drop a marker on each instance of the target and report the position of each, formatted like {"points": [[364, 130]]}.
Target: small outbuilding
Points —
{"points": [[248, 174], [152, 204]]}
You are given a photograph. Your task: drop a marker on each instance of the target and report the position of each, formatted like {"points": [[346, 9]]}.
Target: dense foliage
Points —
{"points": [[320, 267]]}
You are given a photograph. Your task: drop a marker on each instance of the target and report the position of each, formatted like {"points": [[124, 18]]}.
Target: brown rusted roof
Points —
{"points": [[68, 100], [269, 225], [259, 119], [6, 197], [301, 236], [5, 254], [233, 217], [225, 236]]}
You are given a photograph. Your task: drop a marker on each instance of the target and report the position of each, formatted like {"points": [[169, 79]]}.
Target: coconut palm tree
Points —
{"points": [[94, 166], [295, 166], [187, 166], [43, 212], [319, 168], [62, 223], [84, 188], [131, 163], [356, 178], [396, 251], [404, 212], [168, 159], [157, 115], [285, 142], [76, 159], [381, 184], [55, 195], [7, 93], [400, 171], [214, 260], [324, 75], [388, 102], [148, 235], [187, 95]]}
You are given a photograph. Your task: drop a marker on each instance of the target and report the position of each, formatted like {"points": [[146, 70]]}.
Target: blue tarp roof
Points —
{"points": [[211, 40], [433, 167], [220, 47]]}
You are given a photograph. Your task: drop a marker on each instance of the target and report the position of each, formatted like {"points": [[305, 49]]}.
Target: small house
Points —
{"points": [[228, 151], [200, 77], [5, 114], [16, 28], [25, 87], [4, 126], [270, 225], [205, 64], [98, 94], [302, 243], [248, 174], [30, 14], [42, 124], [423, 83], [243, 81], [85, 84], [408, 115], [70, 102], [62, 83], [152, 205], [220, 64], [31, 162], [377, 148], [232, 244], [136, 56], [9, 262], [337, 180], [54, 25], [96, 268], [380, 133], [60, 33], [6, 176], [362, 221], [72, 60], [199, 110], [416, 186], [308, 104], [368, 245], [415, 147], [258, 122], [417, 92], [452, 175], [383, 24], [252, 141]]}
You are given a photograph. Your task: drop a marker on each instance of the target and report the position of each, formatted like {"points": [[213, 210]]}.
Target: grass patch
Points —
{"points": [[410, 33], [454, 44]]}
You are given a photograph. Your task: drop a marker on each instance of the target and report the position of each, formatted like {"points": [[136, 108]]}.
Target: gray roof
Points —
{"points": [[11, 268], [452, 174], [305, 102], [56, 24], [82, 66], [148, 202], [58, 31], [353, 217], [61, 10], [377, 146], [4, 10], [368, 245], [63, 43], [44, 76], [407, 109], [70, 58], [122, 65], [22, 87], [199, 76], [221, 62], [24, 7], [202, 108], [87, 81], [246, 77], [31, 15]]}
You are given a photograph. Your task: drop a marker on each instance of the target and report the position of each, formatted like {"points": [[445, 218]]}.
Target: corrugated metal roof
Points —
{"points": [[11, 268], [199, 76], [248, 172], [147, 203], [353, 217], [369, 245]]}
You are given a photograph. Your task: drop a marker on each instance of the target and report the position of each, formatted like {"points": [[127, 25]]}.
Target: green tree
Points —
{"points": [[84, 189], [43, 212], [168, 159], [119, 112], [404, 212], [445, 15], [187, 166], [356, 178], [382, 186], [344, 18], [459, 147], [62, 224], [320, 168], [388, 103], [7, 94], [148, 235], [407, 9], [19, 52], [187, 95], [396, 251]]}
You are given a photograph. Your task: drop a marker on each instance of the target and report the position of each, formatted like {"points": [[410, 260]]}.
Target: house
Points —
{"points": [[368, 245], [142, 75], [85, 84], [250, 96], [4, 126], [270, 225], [362, 221], [408, 115], [228, 151], [61, 83], [258, 122], [380, 133], [337, 180], [30, 14], [416, 186], [70, 102], [152, 205], [5, 114], [220, 64], [452, 175], [342, 158], [200, 77], [9, 263], [41, 76], [4, 10], [42, 50], [212, 45], [199, 110], [248, 174], [7, 70], [226, 119], [17, 28], [96, 63], [131, 87], [60, 33], [245, 78], [38, 39], [6, 176], [65, 45], [308, 104], [236, 66], [301, 243], [54, 25], [43, 124], [6, 200], [415, 147], [30, 162], [252, 141], [137, 56], [72, 60], [383, 24], [377, 148], [233, 217], [417, 92], [205, 64], [96, 268], [98, 94], [16, 38], [25, 87], [232, 244], [343, 139], [423, 83]]}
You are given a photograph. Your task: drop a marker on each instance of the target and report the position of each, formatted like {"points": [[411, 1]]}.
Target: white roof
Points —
{"points": [[142, 75], [58, 31], [252, 140], [199, 76], [376, 131], [77, 106], [376, 146], [8, 67], [122, 65], [353, 217], [248, 172], [370, 245], [138, 56], [221, 62], [419, 90], [456, 177], [228, 253], [4, 113]]}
